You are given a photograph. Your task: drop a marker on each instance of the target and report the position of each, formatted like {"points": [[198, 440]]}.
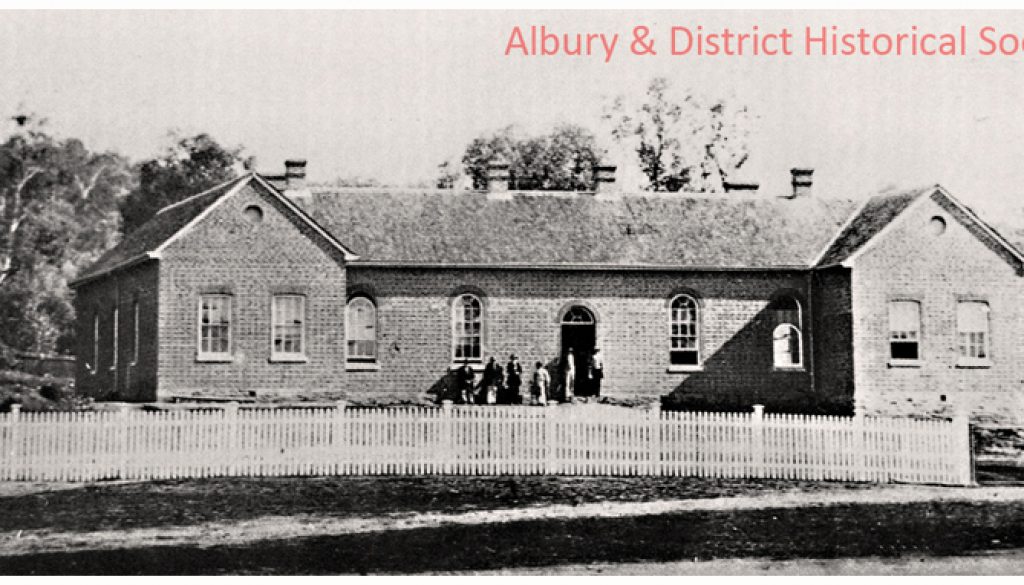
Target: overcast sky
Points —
{"points": [[391, 94]]}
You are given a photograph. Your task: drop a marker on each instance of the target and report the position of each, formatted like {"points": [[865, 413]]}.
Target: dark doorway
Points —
{"points": [[579, 332]]}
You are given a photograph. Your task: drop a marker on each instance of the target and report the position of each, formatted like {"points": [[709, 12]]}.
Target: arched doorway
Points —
{"points": [[579, 335]]}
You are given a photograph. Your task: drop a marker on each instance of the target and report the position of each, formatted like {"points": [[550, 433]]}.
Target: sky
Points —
{"points": [[389, 94]]}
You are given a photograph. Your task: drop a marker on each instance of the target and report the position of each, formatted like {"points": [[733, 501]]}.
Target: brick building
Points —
{"points": [[264, 289]]}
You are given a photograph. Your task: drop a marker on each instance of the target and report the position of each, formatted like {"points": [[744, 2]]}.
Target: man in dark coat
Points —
{"points": [[467, 378], [513, 381]]}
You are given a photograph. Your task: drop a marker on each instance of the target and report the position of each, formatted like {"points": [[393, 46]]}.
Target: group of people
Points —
{"points": [[500, 385]]}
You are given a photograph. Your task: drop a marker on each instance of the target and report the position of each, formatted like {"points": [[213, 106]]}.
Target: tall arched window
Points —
{"points": [[787, 334], [361, 330], [684, 322], [467, 328]]}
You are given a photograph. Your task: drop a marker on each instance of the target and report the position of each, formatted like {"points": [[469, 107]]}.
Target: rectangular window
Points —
{"points": [[214, 326], [972, 330], [288, 315], [904, 330]]}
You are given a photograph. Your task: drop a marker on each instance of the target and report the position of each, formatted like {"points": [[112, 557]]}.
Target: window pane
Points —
{"points": [[467, 327], [972, 316], [361, 329], [214, 324], [786, 345], [972, 328], [684, 343], [905, 316], [288, 312]]}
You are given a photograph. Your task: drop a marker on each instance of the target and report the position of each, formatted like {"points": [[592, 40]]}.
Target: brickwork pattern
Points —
{"points": [[911, 262]]}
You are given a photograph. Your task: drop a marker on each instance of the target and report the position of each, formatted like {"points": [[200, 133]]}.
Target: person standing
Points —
{"points": [[596, 371], [513, 380], [568, 375], [491, 382], [467, 378], [539, 387]]}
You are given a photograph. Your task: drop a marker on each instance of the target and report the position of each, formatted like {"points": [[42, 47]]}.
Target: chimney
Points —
{"points": [[802, 181], [497, 176], [295, 174], [604, 178]]}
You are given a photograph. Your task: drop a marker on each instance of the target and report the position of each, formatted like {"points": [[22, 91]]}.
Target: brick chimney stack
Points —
{"points": [[604, 178], [802, 181], [295, 174], [497, 176]]}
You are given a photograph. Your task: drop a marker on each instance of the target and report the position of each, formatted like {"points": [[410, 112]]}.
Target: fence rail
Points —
{"points": [[577, 440]]}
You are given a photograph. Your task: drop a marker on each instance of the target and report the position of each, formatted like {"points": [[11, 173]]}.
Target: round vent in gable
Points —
{"points": [[937, 225], [254, 214]]}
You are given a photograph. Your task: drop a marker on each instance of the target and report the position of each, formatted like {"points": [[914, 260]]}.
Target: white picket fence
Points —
{"points": [[567, 440]]}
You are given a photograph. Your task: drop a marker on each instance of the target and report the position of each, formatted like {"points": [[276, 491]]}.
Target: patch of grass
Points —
{"points": [[887, 530], [184, 502]]}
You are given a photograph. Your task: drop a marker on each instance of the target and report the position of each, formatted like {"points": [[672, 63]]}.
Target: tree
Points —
{"points": [[58, 213], [681, 143], [561, 160], [189, 166]]}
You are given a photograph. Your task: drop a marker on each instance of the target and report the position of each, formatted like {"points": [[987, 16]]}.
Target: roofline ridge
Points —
{"points": [[201, 194]]}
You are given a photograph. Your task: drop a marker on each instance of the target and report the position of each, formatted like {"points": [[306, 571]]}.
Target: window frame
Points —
{"points": [[457, 312], [214, 356], [356, 362], [698, 334], [289, 356], [891, 340], [968, 361], [798, 327]]}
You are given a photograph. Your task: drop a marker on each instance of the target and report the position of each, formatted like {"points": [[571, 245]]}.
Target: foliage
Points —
{"points": [[189, 166], [561, 160], [58, 213], [38, 393], [681, 143]]}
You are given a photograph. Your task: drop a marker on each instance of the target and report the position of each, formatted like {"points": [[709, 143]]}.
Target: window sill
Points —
{"points": [[788, 369], [289, 358], [678, 369], [362, 367], [968, 363], [898, 363], [215, 358], [475, 366]]}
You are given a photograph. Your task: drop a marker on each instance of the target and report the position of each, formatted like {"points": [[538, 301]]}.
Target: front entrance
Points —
{"points": [[579, 335]]}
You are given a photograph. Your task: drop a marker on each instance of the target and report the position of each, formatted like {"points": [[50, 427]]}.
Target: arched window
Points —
{"points": [[684, 322], [787, 335], [361, 330], [467, 328]]}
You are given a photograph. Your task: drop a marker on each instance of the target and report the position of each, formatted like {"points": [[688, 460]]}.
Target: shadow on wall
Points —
{"points": [[742, 373]]}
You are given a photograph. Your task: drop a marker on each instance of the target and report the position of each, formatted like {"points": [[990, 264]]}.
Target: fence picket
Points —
{"points": [[590, 439]]}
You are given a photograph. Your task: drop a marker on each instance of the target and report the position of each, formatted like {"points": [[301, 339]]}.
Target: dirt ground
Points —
{"points": [[508, 525]]}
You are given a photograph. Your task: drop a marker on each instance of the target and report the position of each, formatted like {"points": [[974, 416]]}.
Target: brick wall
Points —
{"points": [[522, 316], [833, 345], [909, 262], [251, 261], [133, 376]]}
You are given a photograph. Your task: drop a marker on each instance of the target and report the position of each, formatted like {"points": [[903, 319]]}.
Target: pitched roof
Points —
{"points": [[877, 212], [150, 237], [670, 230], [160, 228]]}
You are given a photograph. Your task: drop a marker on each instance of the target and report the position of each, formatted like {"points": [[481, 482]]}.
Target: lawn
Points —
{"points": [[888, 530]]}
